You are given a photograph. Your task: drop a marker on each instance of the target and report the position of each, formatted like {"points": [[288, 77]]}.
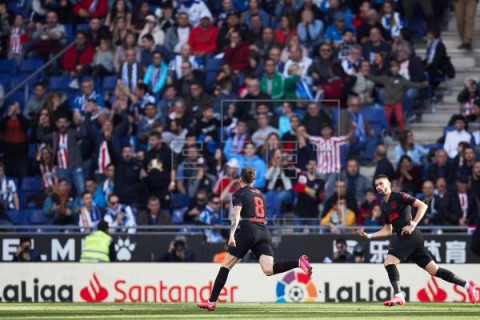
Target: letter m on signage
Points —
{"points": [[63, 253]]}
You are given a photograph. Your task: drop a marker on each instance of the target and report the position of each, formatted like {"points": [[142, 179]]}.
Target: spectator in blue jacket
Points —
{"points": [[87, 94], [310, 30], [250, 159], [156, 75]]}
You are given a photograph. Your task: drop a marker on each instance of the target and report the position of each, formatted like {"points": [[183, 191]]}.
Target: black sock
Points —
{"points": [[449, 276], [219, 283], [283, 266], [394, 277]]}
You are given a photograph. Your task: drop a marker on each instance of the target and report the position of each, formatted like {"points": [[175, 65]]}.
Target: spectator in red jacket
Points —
{"points": [[85, 9], [236, 53], [203, 39], [77, 56]]}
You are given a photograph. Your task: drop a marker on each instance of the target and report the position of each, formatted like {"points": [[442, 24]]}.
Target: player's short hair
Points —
{"points": [[248, 175], [381, 176]]}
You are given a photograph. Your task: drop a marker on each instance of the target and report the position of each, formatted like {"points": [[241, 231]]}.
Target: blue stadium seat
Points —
{"points": [[17, 217], [59, 83], [180, 200], [212, 65], [5, 80], [33, 183], [69, 31], [335, 113], [30, 65], [7, 66], [109, 83], [37, 216], [376, 118], [19, 78], [82, 27]]}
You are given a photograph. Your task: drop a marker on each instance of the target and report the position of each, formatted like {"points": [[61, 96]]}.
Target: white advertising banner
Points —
{"points": [[160, 283]]}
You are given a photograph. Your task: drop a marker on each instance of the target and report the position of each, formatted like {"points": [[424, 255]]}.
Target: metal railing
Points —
{"points": [[198, 229], [36, 73]]}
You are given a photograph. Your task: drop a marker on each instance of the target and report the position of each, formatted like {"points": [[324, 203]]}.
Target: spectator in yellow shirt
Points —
{"points": [[338, 217]]}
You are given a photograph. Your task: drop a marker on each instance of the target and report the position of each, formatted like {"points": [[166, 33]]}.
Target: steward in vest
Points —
{"points": [[98, 246]]}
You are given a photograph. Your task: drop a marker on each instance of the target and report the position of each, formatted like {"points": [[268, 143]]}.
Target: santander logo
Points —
{"points": [[432, 293], [94, 292]]}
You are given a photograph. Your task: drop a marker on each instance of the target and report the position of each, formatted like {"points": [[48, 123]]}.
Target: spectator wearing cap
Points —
{"points": [[152, 27], [76, 57], [86, 9], [156, 74], [250, 159], [236, 54], [196, 10], [86, 95], [310, 30], [177, 35], [454, 137], [334, 32], [203, 38], [462, 207], [465, 14]]}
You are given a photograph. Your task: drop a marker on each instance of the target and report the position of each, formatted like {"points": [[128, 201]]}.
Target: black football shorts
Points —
{"points": [[252, 237], [410, 247]]}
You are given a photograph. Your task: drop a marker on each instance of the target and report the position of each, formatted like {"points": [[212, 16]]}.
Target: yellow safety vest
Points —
{"points": [[96, 247]]}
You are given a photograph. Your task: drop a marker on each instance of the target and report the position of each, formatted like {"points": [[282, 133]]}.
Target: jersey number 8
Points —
{"points": [[259, 209]]}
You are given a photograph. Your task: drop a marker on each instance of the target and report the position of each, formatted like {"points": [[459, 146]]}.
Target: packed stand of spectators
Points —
{"points": [[147, 118]]}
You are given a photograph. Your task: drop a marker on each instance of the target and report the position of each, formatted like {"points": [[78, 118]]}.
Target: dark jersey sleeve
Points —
{"points": [[407, 199], [237, 199], [385, 219]]}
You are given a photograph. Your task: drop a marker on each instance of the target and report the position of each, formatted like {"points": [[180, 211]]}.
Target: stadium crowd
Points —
{"points": [[150, 113]]}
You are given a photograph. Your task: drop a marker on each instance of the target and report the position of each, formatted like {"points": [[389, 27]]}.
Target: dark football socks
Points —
{"points": [[394, 277], [283, 266], [219, 283], [449, 276]]}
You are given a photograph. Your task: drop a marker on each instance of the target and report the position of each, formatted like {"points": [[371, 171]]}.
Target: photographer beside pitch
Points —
{"points": [[409, 243]]}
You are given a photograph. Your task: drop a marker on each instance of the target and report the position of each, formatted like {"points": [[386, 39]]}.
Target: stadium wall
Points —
{"points": [[165, 283], [150, 247]]}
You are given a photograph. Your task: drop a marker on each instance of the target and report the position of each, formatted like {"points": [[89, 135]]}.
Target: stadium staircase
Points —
{"points": [[467, 66]]}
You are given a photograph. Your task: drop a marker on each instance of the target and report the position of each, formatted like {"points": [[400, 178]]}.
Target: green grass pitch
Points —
{"points": [[257, 311]]}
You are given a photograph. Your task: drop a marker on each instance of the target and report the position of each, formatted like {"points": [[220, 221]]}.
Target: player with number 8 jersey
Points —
{"points": [[249, 231]]}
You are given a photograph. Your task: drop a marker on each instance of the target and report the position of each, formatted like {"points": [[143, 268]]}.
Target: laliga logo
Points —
{"points": [[296, 287], [94, 292], [432, 293]]}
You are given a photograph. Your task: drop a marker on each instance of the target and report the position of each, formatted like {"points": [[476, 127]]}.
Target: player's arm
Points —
{"points": [[234, 226], [421, 209], [384, 232]]}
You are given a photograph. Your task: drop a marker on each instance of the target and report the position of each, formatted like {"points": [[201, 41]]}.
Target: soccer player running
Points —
{"points": [[249, 232], [397, 215]]}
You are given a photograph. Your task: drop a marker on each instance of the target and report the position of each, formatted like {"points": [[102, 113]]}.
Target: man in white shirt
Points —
{"points": [[453, 138], [297, 58], [263, 131], [8, 192]]}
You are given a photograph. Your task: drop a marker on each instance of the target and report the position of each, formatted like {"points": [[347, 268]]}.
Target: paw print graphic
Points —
{"points": [[124, 249]]}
